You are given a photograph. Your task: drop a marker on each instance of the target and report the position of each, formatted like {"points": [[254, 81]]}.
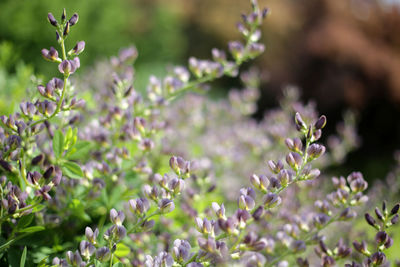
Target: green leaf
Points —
{"points": [[25, 220], [72, 170], [80, 150], [58, 143], [78, 209], [32, 229], [42, 263], [122, 250], [75, 137], [23, 258], [118, 264], [38, 208]]}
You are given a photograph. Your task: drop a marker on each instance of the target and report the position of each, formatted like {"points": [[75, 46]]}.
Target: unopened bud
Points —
{"points": [[66, 30], [74, 19], [321, 122], [52, 20]]}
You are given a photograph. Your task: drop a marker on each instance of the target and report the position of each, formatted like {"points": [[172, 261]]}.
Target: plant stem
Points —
{"points": [[11, 241]]}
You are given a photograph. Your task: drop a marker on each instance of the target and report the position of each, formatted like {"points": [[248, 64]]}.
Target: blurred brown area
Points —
{"points": [[342, 54]]}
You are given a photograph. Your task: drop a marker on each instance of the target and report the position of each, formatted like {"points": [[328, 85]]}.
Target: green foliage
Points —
{"points": [[106, 26], [15, 78]]}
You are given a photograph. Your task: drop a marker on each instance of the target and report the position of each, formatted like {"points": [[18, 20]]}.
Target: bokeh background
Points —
{"points": [[342, 54]]}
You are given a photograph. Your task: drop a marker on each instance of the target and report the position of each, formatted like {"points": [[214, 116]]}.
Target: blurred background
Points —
{"points": [[342, 54]]}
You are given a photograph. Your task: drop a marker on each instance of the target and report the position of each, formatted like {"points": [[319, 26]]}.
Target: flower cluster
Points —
{"points": [[111, 171]]}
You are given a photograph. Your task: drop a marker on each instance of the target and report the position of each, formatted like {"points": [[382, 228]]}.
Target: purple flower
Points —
{"points": [[68, 67]]}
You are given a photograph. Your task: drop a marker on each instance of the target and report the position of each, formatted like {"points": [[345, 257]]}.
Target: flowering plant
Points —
{"points": [[94, 161]]}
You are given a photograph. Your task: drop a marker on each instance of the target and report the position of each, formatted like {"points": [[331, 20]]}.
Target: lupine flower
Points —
{"points": [[103, 254], [68, 67], [91, 235], [166, 205], [181, 250], [50, 55], [78, 48]]}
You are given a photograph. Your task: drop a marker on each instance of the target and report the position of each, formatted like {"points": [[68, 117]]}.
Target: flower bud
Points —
{"points": [[63, 15], [218, 55], [360, 247], [194, 67], [328, 261], [78, 48], [315, 151], [260, 182], [87, 249], [320, 123], [166, 205], [52, 20], [317, 135], [395, 209], [37, 160], [294, 145], [27, 108], [103, 254], [294, 160], [370, 220], [312, 174], [139, 206], [73, 20], [285, 177], [204, 226], [48, 173], [379, 214], [246, 202], [258, 213], [237, 50], [6, 166], [57, 177], [147, 225], [271, 200], [66, 30], [117, 217], [378, 258], [90, 235], [389, 242], [208, 244], [50, 55], [74, 258], [395, 219], [256, 49], [275, 167], [300, 124], [176, 185], [347, 214], [219, 210], [181, 250], [65, 67], [381, 237]]}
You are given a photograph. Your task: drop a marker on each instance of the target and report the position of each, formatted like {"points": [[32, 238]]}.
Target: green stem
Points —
{"points": [[192, 259], [238, 240], [111, 260], [11, 241]]}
